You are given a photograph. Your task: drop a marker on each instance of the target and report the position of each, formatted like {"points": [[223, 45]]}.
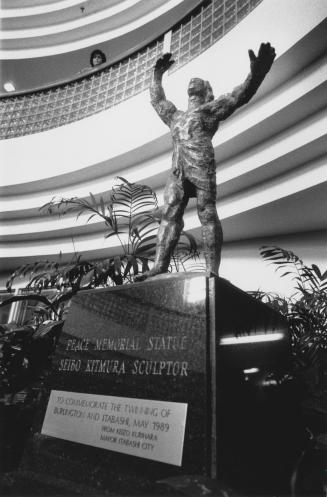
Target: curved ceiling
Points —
{"points": [[44, 42], [49, 28]]}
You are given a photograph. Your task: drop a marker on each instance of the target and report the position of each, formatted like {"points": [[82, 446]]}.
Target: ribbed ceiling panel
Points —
{"points": [[57, 27]]}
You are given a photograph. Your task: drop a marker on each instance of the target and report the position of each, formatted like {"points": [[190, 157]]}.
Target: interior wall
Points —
{"points": [[243, 266]]}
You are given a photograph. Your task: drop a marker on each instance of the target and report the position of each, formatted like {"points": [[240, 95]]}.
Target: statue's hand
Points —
{"points": [[262, 63], [163, 63]]}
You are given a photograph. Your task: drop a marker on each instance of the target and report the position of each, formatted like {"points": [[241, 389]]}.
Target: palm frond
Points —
{"points": [[306, 310]]}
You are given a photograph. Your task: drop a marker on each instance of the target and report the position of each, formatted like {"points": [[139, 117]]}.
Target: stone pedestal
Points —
{"points": [[153, 341], [137, 366]]}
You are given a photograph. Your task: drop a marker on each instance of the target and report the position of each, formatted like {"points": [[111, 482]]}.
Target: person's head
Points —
{"points": [[200, 91], [97, 58]]}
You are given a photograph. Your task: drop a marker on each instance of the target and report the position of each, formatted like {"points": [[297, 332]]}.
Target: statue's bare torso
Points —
{"points": [[193, 153]]}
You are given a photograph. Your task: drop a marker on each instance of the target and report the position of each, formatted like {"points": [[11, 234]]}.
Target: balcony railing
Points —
{"points": [[204, 27], [41, 110], [46, 109]]}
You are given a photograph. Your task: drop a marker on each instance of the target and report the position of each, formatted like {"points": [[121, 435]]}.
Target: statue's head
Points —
{"points": [[200, 89]]}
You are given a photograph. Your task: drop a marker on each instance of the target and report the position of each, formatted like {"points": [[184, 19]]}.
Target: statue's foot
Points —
{"points": [[148, 274]]}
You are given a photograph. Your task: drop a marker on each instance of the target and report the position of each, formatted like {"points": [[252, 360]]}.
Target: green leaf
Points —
{"points": [[93, 200], [145, 248], [123, 180], [102, 206], [127, 268], [89, 218], [117, 264], [114, 233]]}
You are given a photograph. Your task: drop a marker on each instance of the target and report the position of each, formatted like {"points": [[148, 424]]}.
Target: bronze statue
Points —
{"points": [[193, 165]]}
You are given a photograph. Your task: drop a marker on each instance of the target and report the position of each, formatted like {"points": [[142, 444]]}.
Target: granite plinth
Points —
{"points": [[147, 341], [177, 339]]}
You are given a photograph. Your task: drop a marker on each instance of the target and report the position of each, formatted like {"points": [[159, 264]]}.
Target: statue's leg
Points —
{"points": [[171, 225], [212, 233]]}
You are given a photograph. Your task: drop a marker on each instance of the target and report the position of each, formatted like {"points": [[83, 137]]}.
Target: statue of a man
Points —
{"points": [[193, 171]]}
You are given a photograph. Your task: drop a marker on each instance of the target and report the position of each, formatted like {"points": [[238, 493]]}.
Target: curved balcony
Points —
{"points": [[46, 109], [39, 29]]}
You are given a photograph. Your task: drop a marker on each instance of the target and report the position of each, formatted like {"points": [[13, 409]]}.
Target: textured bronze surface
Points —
{"points": [[193, 171]]}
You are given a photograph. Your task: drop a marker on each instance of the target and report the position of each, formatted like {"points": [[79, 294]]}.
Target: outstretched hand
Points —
{"points": [[262, 63], [164, 63]]}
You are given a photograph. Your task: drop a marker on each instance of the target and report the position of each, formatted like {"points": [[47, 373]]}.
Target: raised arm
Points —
{"points": [[260, 65], [163, 107]]}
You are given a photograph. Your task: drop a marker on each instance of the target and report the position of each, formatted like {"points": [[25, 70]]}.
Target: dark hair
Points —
{"points": [[97, 52]]}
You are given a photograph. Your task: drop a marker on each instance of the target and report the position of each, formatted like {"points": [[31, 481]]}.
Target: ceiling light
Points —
{"points": [[251, 371], [9, 86], [263, 337]]}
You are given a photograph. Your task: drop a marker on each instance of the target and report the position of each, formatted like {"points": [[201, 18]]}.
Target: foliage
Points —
{"points": [[131, 215], [186, 255], [25, 351], [128, 216], [278, 303], [25, 354], [306, 309], [309, 280]]}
